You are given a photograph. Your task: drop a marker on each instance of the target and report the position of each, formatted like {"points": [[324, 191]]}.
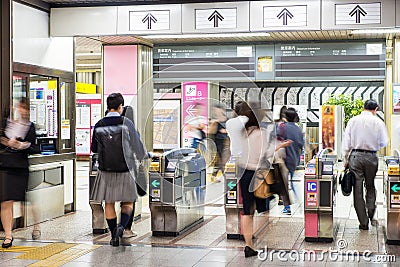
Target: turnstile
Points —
{"points": [[234, 204], [391, 190], [177, 192], [99, 224], [320, 187]]}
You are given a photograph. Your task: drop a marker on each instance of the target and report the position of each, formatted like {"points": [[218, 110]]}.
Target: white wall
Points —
{"points": [[32, 43]]}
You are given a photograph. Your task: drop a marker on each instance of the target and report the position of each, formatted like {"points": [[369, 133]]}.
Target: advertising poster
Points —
{"points": [[328, 127], [194, 108], [166, 124], [396, 98], [82, 141]]}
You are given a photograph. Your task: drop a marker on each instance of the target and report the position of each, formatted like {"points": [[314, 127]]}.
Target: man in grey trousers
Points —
{"points": [[365, 134]]}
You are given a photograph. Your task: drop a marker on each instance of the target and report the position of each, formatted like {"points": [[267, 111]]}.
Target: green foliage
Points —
{"points": [[352, 107]]}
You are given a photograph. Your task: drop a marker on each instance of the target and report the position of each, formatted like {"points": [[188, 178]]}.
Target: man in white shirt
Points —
{"points": [[365, 134]]}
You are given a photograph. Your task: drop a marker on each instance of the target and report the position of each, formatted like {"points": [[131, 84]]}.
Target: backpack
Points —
{"points": [[113, 142], [346, 182]]}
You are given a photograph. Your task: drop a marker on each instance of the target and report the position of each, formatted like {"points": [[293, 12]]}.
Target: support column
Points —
{"points": [[5, 54]]}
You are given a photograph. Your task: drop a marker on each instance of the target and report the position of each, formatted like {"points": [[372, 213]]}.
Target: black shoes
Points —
{"points": [[249, 252], [363, 227], [7, 245], [116, 235]]}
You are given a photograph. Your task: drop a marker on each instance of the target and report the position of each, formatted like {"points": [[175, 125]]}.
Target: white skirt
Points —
{"points": [[114, 187]]}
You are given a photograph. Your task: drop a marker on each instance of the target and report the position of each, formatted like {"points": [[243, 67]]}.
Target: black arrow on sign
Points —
{"points": [[285, 14], [149, 18], [216, 16], [358, 11]]}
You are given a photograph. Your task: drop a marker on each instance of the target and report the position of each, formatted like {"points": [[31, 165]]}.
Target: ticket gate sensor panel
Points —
{"points": [[320, 186], [391, 188], [177, 194]]}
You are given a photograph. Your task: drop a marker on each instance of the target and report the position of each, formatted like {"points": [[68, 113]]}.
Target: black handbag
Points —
{"points": [[141, 178], [346, 182]]}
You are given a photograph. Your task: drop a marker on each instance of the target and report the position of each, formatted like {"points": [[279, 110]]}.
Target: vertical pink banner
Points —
{"points": [[120, 69], [194, 104]]}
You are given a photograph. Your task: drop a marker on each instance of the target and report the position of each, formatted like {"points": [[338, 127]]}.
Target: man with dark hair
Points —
{"points": [[365, 134], [293, 151], [116, 140]]}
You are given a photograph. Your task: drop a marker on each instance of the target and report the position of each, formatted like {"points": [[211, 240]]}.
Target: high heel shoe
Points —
{"points": [[116, 235], [7, 245], [249, 252]]}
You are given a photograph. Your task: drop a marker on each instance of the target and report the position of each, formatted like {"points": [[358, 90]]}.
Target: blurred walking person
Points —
{"points": [[17, 141]]}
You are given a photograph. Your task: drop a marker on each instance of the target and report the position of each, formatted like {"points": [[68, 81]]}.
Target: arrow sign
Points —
{"points": [[395, 188], [358, 11], [231, 185], [155, 183], [285, 14], [216, 16], [190, 110], [149, 18]]}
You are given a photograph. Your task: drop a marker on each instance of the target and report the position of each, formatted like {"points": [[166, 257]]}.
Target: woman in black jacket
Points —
{"points": [[17, 141]]}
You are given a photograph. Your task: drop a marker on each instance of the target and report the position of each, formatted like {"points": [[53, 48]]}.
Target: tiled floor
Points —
{"points": [[206, 244]]}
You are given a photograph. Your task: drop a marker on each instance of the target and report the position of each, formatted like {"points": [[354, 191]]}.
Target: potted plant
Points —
{"points": [[352, 107]]}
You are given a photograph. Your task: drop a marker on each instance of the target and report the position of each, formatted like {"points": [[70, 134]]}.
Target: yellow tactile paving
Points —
{"points": [[18, 249], [66, 256], [44, 252]]}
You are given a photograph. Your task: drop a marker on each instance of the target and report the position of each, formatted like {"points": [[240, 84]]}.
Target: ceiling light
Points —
{"points": [[206, 35], [375, 31], [88, 54], [89, 65]]}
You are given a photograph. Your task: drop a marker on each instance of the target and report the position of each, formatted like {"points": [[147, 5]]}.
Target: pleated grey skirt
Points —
{"points": [[114, 187]]}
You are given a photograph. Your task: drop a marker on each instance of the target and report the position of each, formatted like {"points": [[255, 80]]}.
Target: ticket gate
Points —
{"points": [[177, 192], [391, 190], [234, 205], [320, 187], [99, 224]]}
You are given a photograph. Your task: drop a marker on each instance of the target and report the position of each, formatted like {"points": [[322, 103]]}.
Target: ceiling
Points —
{"points": [[65, 3]]}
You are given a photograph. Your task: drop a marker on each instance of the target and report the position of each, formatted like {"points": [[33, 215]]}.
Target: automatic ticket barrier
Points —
{"points": [[99, 224], [320, 181], [234, 204], [177, 192], [391, 188]]}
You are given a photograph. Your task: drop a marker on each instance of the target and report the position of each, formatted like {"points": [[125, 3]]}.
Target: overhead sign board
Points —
{"points": [[149, 19], [276, 16], [284, 15], [215, 17], [357, 14]]}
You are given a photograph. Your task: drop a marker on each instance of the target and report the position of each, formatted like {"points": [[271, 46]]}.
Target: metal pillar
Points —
{"points": [[5, 55]]}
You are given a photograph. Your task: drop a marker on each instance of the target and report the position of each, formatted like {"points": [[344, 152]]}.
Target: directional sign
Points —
{"points": [[149, 20], [369, 13], [290, 16], [395, 188], [155, 183], [285, 14], [358, 11], [190, 110], [223, 18], [231, 185]]}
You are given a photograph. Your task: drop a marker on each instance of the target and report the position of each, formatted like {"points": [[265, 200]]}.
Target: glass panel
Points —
{"points": [[19, 87]]}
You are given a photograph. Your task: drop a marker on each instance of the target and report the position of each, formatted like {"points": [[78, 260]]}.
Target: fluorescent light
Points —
{"points": [[207, 35], [88, 54], [89, 65], [375, 31]]}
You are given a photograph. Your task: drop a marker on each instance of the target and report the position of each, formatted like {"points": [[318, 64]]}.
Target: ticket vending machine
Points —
{"points": [[320, 181], [391, 188]]}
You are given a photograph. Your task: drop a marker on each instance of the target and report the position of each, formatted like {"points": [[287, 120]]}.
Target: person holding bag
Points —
{"points": [[255, 147], [17, 141], [118, 145]]}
